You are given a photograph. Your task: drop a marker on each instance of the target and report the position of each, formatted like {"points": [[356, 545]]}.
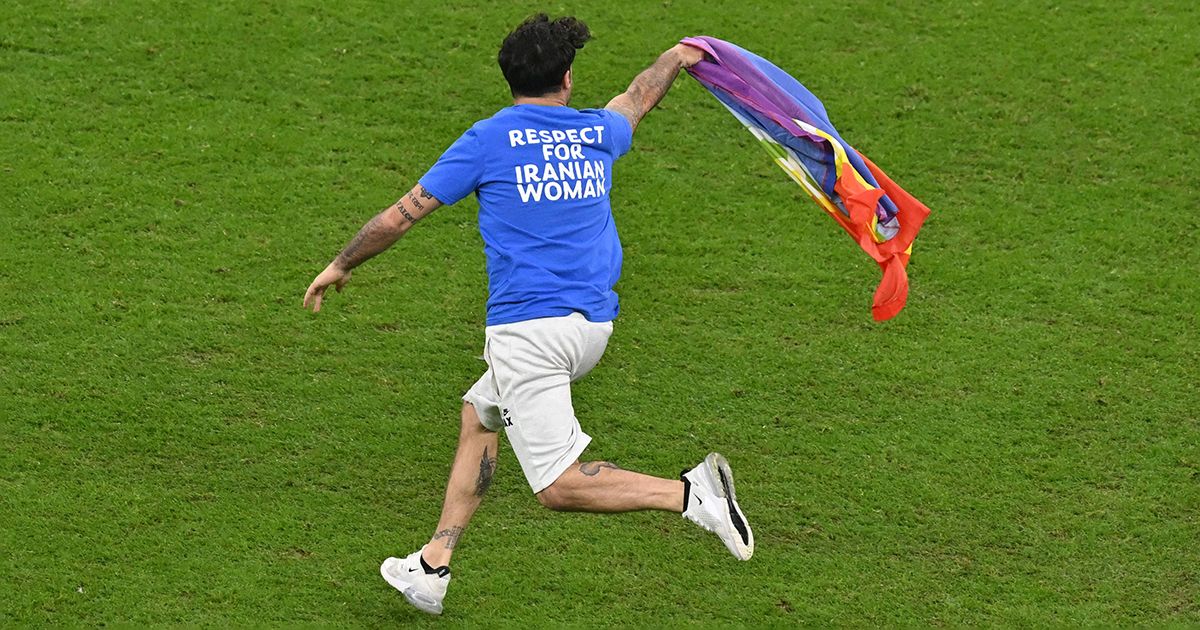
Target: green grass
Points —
{"points": [[184, 445]]}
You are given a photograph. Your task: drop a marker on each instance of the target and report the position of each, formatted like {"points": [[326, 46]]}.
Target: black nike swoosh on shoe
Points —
{"points": [[733, 513]]}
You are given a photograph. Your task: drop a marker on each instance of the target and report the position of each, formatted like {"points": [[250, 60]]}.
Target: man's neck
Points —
{"points": [[558, 99]]}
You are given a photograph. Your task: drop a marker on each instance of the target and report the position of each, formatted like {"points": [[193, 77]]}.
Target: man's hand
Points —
{"points": [[688, 55], [333, 275]]}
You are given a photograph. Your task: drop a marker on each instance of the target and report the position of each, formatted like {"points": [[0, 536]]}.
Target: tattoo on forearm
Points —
{"points": [[370, 233], [425, 194], [487, 468], [416, 202], [404, 213], [449, 536], [652, 84], [591, 469]]}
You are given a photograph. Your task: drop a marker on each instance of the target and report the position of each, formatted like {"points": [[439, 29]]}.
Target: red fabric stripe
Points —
{"points": [[892, 292]]}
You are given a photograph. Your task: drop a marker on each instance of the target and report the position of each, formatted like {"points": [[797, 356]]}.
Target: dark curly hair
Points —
{"points": [[535, 55]]}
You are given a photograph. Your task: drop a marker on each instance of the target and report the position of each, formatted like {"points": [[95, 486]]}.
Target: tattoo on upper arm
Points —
{"points": [[591, 469], [487, 468], [630, 112], [450, 536]]}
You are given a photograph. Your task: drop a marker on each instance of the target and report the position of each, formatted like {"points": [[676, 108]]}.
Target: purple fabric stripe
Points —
{"points": [[758, 85], [739, 77]]}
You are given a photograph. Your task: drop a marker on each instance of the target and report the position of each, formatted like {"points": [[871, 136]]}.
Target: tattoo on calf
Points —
{"points": [[591, 469], [487, 468], [450, 535]]}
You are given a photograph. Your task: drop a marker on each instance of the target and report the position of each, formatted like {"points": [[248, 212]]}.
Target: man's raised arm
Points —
{"points": [[652, 84], [377, 235]]}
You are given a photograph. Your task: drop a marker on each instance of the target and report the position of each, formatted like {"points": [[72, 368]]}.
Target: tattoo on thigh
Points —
{"points": [[450, 535], [591, 469], [487, 468]]}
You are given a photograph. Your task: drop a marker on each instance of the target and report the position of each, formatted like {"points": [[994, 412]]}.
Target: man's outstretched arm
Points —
{"points": [[378, 234], [652, 84]]}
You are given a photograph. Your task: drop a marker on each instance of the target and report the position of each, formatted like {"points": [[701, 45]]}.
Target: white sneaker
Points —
{"points": [[421, 589], [712, 504]]}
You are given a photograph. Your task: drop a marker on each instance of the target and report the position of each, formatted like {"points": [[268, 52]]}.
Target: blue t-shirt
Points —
{"points": [[542, 175]]}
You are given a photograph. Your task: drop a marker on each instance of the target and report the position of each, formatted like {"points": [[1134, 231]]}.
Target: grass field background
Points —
{"points": [[183, 444]]}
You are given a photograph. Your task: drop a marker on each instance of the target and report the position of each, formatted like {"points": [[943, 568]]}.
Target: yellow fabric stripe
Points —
{"points": [[841, 160]]}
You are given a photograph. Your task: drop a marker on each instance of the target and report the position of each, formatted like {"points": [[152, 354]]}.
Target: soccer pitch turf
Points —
{"points": [[183, 444]]}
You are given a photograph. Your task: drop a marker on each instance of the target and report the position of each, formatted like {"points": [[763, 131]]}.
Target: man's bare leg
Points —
{"points": [[603, 487], [470, 476]]}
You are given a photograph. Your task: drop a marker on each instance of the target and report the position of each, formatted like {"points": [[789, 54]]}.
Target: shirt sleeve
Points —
{"points": [[457, 173], [621, 132]]}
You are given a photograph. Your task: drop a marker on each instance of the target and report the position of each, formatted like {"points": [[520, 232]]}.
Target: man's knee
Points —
{"points": [[556, 496]]}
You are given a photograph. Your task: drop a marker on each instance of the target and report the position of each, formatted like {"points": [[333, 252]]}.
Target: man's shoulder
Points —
{"points": [[610, 115]]}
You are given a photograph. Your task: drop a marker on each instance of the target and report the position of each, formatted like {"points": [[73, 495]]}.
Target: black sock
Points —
{"points": [[442, 570], [687, 491]]}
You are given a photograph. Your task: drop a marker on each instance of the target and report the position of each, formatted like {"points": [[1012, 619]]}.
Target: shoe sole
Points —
{"points": [[423, 602], [722, 477]]}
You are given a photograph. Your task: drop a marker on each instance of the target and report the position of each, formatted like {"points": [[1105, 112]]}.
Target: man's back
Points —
{"points": [[542, 175], [542, 172]]}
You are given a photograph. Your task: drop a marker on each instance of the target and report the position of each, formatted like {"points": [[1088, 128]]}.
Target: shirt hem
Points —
{"points": [[550, 312]]}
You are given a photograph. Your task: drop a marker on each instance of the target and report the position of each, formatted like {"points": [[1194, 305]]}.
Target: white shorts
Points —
{"points": [[527, 389]]}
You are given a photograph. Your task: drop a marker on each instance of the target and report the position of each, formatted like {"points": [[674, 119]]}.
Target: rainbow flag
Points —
{"points": [[792, 125]]}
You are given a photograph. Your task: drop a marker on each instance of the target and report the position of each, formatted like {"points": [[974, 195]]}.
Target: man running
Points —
{"points": [[541, 172]]}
